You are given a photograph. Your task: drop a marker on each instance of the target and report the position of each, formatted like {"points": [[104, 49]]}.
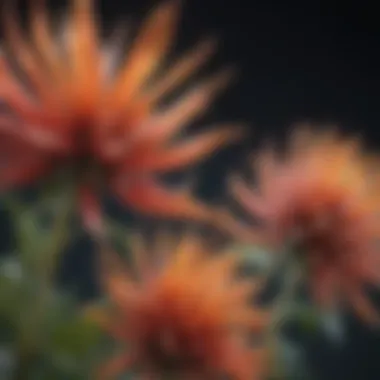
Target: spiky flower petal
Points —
{"points": [[324, 195], [75, 107], [182, 312]]}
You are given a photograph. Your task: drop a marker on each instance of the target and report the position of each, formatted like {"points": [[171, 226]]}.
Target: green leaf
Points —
{"points": [[75, 337], [42, 228], [11, 287]]}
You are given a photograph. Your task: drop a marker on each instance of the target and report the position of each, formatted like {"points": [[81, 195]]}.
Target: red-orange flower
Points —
{"points": [[324, 195], [74, 106], [182, 313]]}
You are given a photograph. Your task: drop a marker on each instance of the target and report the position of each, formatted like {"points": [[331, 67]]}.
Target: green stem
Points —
{"points": [[283, 303], [25, 361], [29, 330], [53, 251]]}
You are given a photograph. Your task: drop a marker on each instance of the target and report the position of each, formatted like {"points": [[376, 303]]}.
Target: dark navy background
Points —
{"points": [[299, 60]]}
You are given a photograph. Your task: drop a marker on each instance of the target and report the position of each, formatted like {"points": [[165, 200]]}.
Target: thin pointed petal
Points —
{"points": [[148, 197], [266, 164], [114, 276], [39, 138], [23, 53], [363, 306], [181, 71], [11, 90], [147, 52], [227, 223], [85, 54], [247, 197], [43, 41], [20, 163], [190, 152], [13, 93], [112, 52], [167, 123]]}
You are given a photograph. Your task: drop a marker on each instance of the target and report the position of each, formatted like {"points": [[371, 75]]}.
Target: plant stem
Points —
{"points": [[24, 361], [30, 333], [59, 234], [283, 303]]}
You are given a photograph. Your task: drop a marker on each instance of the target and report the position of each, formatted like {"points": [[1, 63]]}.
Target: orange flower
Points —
{"points": [[75, 107], [182, 314], [324, 195]]}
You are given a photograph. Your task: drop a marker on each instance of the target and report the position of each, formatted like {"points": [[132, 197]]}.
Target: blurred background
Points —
{"points": [[298, 61]]}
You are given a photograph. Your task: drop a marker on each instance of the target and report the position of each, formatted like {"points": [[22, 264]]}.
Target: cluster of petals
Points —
{"points": [[323, 195], [68, 101], [181, 310]]}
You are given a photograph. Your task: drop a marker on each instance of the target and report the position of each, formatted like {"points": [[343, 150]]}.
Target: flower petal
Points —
{"points": [[147, 196], [183, 154], [181, 70], [362, 304], [42, 138], [20, 163], [147, 53], [84, 54], [24, 54], [248, 198], [165, 124], [43, 42]]}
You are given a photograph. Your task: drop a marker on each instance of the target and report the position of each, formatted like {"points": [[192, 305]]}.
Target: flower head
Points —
{"points": [[75, 106], [183, 313], [324, 195]]}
